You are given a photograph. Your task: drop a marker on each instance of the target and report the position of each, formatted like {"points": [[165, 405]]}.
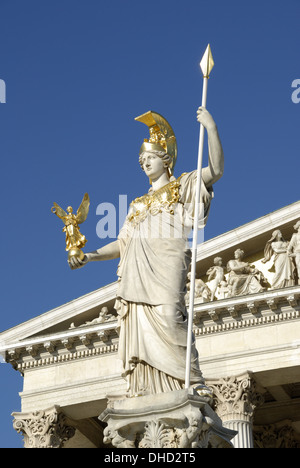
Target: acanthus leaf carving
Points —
{"points": [[235, 396], [43, 429]]}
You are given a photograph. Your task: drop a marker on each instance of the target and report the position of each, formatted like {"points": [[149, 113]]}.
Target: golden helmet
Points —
{"points": [[162, 137]]}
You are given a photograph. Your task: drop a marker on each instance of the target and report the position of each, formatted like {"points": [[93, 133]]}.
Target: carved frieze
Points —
{"points": [[278, 435], [277, 268]]}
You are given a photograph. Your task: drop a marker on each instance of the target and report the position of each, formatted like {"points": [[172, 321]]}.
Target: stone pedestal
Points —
{"points": [[178, 419]]}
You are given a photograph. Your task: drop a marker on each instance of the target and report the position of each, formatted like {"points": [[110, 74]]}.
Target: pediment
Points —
{"points": [[78, 315], [82, 313], [251, 238]]}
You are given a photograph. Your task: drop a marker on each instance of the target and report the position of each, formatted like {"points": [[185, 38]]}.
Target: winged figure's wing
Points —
{"points": [[56, 209], [83, 209]]}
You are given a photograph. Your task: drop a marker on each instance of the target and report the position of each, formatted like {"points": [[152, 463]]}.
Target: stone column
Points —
{"points": [[43, 429], [235, 399]]}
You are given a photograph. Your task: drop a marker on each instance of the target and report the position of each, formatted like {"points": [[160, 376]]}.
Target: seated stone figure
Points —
{"points": [[243, 278], [202, 291]]}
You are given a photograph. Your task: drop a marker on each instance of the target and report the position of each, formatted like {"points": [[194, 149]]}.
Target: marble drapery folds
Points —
{"points": [[155, 259]]}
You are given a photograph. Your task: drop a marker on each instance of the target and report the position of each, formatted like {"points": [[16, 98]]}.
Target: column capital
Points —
{"points": [[43, 429], [235, 397]]}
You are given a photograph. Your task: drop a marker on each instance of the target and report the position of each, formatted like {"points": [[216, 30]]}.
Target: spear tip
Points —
{"points": [[207, 62]]}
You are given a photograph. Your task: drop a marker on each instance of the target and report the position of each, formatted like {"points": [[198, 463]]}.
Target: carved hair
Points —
{"points": [[217, 259], [161, 154], [240, 251]]}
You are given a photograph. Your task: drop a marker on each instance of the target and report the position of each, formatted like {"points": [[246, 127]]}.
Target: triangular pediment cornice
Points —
{"points": [[66, 313]]}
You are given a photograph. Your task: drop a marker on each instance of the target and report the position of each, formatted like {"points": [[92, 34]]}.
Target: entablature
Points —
{"points": [[222, 316], [274, 306], [81, 342]]}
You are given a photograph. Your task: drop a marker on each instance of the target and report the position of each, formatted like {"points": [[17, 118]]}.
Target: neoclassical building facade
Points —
{"points": [[247, 331]]}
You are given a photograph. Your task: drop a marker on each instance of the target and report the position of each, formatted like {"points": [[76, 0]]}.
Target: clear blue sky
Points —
{"points": [[77, 73]]}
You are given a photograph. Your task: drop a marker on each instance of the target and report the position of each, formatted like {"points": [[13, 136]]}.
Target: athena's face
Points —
{"points": [[153, 165]]}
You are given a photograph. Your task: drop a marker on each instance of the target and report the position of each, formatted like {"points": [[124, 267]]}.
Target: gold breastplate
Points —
{"points": [[156, 202]]}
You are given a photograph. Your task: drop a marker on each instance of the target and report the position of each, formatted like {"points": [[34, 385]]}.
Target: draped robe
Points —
{"points": [[154, 262], [284, 268]]}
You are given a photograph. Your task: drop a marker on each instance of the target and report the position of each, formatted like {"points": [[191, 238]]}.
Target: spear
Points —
{"points": [[206, 66]]}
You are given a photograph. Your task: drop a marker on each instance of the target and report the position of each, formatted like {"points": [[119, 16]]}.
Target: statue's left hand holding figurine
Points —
{"points": [[75, 241]]}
